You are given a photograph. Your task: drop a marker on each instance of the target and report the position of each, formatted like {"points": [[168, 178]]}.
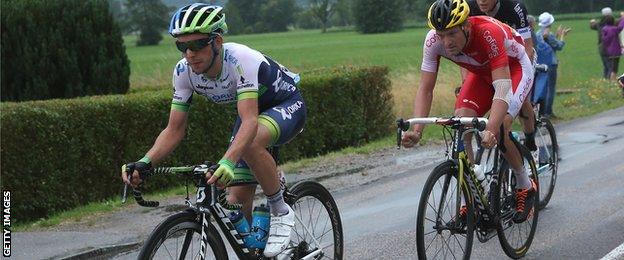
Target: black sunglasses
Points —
{"points": [[195, 45]]}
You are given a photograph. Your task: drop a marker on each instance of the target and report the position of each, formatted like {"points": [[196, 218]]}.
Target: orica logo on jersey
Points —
{"points": [[281, 84], [288, 111], [222, 97]]}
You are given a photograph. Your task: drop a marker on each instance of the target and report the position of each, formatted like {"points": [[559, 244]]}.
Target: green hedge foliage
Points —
{"points": [[60, 49], [59, 154]]}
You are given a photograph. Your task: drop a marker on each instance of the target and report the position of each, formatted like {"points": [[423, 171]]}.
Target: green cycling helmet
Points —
{"points": [[198, 18]]}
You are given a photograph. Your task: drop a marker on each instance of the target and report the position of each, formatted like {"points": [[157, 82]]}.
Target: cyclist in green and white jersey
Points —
{"points": [[270, 108]]}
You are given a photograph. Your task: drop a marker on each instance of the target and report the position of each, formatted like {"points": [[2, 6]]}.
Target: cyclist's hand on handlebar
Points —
{"points": [[224, 174], [136, 169], [489, 139], [410, 138]]}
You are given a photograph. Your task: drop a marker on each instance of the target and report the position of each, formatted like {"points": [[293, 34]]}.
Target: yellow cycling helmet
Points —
{"points": [[445, 14]]}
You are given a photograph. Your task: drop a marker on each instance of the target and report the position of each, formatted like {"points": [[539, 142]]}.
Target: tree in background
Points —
{"points": [[60, 49], [149, 17], [378, 16], [344, 16], [276, 16], [257, 16], [323, 10]]}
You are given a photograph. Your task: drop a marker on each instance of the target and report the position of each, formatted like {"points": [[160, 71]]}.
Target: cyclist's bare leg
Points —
{"points": [[264, 168], [468, 137], [512, 155], [528, 123], [244, 195]]}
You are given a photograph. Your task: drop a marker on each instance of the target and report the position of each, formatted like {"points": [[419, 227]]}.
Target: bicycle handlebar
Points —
{"points": [[403, 125], [198, 172]]}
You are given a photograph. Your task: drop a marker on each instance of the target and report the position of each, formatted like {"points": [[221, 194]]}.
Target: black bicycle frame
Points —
{"points": [[477, 192]]}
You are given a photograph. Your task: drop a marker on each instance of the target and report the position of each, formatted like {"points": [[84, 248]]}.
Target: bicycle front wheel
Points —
{"points": [[547, 159], [318, 228], [441, 231], [515, 238], [179, 237]]}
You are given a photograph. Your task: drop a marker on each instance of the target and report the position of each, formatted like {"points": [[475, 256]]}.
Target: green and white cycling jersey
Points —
{"points": [[246, 73]]}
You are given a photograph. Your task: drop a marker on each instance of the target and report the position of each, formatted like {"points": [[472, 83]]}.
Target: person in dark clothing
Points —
{"points": [[597, 25], [611, 44]]}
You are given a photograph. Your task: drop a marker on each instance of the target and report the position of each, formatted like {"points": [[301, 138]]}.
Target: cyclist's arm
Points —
{"points": [[499, 105], [524, 29], [424, 96], [170, 137], [529, 47], [501, 81], [428, 75], [247, 96], [248, 113]]}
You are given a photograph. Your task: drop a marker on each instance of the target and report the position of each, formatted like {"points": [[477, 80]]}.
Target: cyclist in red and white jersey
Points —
{"points": [[500, 75], [514, 14]]}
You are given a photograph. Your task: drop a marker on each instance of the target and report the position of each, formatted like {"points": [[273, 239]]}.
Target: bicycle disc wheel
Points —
{"points": [[318, 228], [440, 232], [546, 159], [179, 237], [515, 238]]}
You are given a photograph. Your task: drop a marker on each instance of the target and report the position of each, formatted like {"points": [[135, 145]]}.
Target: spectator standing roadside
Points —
{"points": [[611, 44], [544, 54], [556, 41], [597, 25]]}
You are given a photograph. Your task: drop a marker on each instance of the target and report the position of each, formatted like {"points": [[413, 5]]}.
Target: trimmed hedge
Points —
{"points": [[59, 154]]}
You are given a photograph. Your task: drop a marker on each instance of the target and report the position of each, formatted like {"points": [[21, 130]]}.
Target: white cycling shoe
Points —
{"points": [[279, 233]]}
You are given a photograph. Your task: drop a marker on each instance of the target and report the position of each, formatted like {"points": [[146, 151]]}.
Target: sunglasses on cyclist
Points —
{"points": [[195, 45]]}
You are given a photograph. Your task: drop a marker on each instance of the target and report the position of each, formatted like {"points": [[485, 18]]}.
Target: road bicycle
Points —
{"points": [[194, 232], [441, 231], [547, 154]]}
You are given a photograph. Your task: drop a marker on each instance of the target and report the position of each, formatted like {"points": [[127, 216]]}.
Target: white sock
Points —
{"points": [[522, 179], [276, 204]]}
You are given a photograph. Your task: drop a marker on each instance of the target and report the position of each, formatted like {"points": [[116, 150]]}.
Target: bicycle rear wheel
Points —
{"points": [[440, 232], [515, 238], [318, 228], [179, 237], [547, 157]]}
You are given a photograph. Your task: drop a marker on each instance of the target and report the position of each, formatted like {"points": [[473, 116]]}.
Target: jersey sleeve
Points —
{"points": [[492, 38], [522, 21], [431, 52], [182, 88], [247, 82]]}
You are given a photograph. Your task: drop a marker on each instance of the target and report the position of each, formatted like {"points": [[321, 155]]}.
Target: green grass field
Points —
{"points": [[309, 49]]}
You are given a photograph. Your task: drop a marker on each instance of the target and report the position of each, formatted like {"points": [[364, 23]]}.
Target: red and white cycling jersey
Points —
{"points": [[492, 44]]}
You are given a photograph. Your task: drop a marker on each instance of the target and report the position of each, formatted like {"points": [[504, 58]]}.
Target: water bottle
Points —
{"points": [[479, 171], [242, 226], [260, 226]]}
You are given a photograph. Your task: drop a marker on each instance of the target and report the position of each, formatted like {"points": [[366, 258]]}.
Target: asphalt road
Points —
{"points": [[584, 219]]}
